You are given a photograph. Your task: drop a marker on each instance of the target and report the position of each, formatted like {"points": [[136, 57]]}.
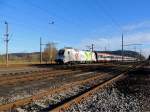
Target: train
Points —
{"points": [[71, 55]]}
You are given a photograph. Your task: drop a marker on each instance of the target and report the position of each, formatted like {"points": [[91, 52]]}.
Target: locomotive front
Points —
{"points": [[60, 57]]}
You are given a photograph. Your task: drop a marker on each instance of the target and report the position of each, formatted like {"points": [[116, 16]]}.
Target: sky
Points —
{"points": [[77, 24]]}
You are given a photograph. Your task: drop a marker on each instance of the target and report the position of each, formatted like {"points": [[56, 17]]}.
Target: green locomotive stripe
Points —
{"points": [[88, 55]]}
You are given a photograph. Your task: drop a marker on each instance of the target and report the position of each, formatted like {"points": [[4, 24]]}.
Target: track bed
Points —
{"points": [[129, 94], [53, 79]]}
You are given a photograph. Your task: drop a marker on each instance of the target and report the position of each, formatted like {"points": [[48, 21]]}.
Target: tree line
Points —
{"points": [[48, 56]]}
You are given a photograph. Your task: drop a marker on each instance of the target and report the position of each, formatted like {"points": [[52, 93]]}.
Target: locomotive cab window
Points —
{"points": [[61, 52]]}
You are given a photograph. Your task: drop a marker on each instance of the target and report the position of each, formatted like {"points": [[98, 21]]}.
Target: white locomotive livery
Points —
{"points": [[70, 55]]}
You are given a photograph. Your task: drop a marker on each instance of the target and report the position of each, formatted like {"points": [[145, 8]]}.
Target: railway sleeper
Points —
{"points": [[57, 98], [90, 83]]}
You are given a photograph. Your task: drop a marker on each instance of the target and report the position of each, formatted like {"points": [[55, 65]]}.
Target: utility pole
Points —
{"points": [[122, 48], [135, 48], [105, 48], [7, 40], [40, 50], [92, 47], [140, 54]]}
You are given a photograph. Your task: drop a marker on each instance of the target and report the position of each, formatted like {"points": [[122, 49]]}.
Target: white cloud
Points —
{"points": [[135, 26], [142, 37]]}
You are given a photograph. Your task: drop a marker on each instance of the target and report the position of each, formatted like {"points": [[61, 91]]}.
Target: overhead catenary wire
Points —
{"points": [[26, 12], [51, 14], [114, 23], [106, 12], [35, 27]]}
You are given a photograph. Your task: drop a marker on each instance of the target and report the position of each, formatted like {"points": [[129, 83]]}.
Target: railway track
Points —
{"points": [[31, 84], [86, 94], [22, 77], [43, 94], [33, 76], [56, 98], [17, 83]]}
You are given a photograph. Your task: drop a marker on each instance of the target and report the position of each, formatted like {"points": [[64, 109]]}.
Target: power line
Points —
{"points": [[10, 6], [34, 27], [90, 47], [110, 16], [48, 13], [116, 24]]}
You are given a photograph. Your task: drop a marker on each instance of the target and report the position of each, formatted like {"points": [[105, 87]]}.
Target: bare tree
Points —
{"points": [[49, 53]]}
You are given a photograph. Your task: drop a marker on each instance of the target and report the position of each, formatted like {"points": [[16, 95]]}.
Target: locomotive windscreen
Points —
{"points": [[61, 52]]}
